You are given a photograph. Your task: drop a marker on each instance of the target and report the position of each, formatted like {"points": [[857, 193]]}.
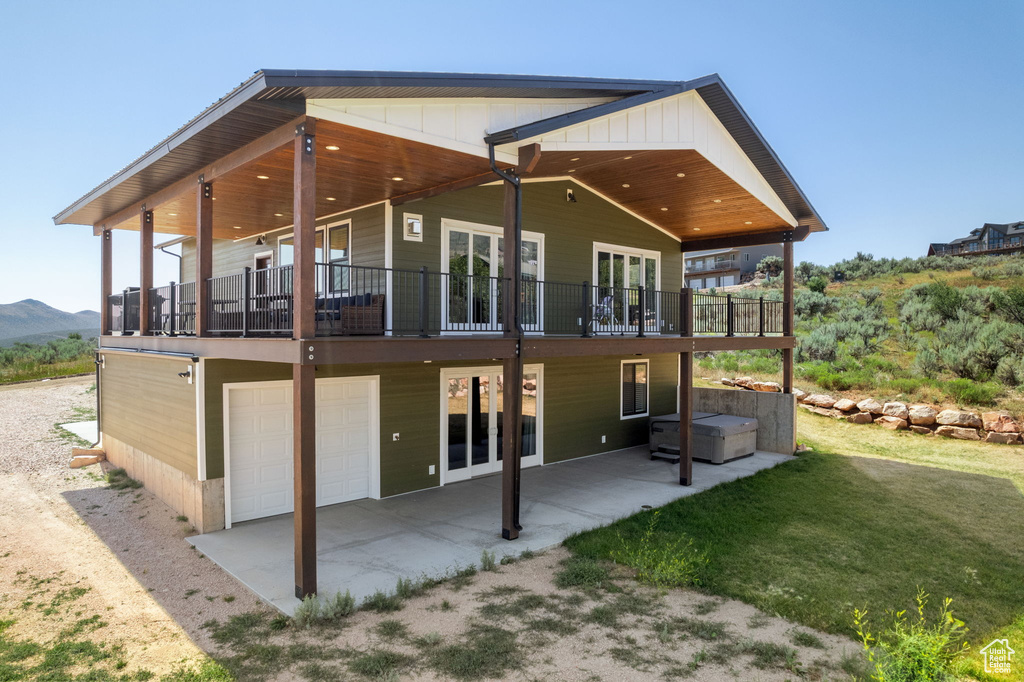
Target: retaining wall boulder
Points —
{"points": [[898, 410], [892, 423], [961, 432], [959, 418], [870, 405], [922, 415]]}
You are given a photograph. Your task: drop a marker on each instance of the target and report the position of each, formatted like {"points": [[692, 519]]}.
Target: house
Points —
{"points": [[397, 281], [987, 239], [725, 267]]}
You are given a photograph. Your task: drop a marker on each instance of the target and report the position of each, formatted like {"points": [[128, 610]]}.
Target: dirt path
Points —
{"points": [[81, 562]]}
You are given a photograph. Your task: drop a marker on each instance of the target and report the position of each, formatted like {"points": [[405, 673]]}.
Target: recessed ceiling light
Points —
{"points": [[696, 229], [213, 198], [279, 214], [627, 158], [625, 184], [680, 175], [172, 214], [332, 147], [718, 201], [262, 177], [330, 199], [664, 208], [576, 159], [237, 227], [573, 170], [748, 223], [398, 178]]}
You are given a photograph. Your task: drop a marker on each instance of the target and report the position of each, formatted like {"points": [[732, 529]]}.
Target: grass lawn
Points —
{"points": [[849, 526]]}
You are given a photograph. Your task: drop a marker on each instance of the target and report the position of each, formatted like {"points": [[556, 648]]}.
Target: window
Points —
{"points": [[338, 253], [746, 257], [634, 389], [413, 231]]}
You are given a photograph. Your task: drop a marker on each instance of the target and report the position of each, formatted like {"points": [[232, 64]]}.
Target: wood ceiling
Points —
{"points": [[364, 167], [649, 182]]}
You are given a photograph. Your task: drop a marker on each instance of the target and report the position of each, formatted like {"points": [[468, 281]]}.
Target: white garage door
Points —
{"points": [[259, 445], [728, 280]]}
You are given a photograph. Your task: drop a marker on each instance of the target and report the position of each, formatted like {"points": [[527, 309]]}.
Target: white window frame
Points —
{"points": [[405, 227], [631, 251], [265, 254], [622, 364], [321, 228]]}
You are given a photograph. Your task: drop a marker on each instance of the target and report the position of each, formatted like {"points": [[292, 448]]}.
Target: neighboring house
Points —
{"points": [[724, 267], [989, 238], [350, 313]]}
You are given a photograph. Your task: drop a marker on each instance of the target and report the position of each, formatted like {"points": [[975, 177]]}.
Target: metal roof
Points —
{"points": [[272, 97]]}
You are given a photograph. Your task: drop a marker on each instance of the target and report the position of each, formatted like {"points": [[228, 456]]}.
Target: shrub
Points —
{"points": [[667, 564], [817, 284], [914, 650], [807, 304], [317, 610], [382, 602], [487, 561], [770, 265], [945, 300], [927, 363], [967, 392], [820, 344], [870, 295], [1010, 304], [1010, 370]]}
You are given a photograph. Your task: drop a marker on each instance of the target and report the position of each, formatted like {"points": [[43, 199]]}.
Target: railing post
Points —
{"points": [[760, 317], [172, 309], [423, 302], [642, 313], [730, 322], [586, 316], [686, 311], [124, 311], [246, 299]]}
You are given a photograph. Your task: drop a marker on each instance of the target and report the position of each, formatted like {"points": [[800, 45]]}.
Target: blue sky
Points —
{"points": [[902, 121]]}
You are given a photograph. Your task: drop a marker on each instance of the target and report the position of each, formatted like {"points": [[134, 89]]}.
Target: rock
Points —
{"points": [[823, 411], [767, 387], [820, 400], [728, 382], [859, 418], [1000, 422], [1004, 438], [961, 432], [898, 410], [891, 423], [870, 405], [800, 395], [743, 382], [959, 418], [923, 430], [844, 404], [79, 461], [922, 415]]}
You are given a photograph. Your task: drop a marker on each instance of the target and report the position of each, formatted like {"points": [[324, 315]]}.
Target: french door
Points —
{"points": [[619, 273], [471, 424], [473, 258]]}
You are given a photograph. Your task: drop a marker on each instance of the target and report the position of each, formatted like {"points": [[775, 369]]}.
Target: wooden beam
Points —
{"points": [[145, 268], [787, 315], [285, 351], [437, 190], [529, 157], [796, 234], [304, 456], [685, 419], [106, 279], [204, 254], [304, 211], [251, 152], [567, 346], [511, 446]]}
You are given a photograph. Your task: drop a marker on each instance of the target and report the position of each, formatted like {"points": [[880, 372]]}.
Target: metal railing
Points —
{"points": [[711, 267], [123, 312], [980, 248], [357, 300]]}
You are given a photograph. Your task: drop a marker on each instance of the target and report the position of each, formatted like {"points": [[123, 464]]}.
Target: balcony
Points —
{"points": [[980, 248], [363, 301], [717, 266]]}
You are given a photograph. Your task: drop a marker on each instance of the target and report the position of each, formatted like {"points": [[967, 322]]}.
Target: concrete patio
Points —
{"points": [[367, 545]]}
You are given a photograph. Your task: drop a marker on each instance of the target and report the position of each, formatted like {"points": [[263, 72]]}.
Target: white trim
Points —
{"points": [[374, 380], [318, 219], [647, 385], [325, 228], [630, 251], [343, 118], [200, 386], [447, 373], [405, 227], [263, 254]]}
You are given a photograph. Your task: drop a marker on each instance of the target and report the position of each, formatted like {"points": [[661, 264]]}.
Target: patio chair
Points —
{"points": [[603, 313]]}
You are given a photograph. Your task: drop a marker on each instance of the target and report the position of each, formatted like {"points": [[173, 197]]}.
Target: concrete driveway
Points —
{"points": [[367, 545]]}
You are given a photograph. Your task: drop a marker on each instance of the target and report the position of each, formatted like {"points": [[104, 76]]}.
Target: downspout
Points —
{"points": [[99, 404]]}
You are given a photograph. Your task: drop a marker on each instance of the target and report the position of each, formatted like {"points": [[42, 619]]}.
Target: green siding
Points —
{"points": [[570, 230], [581, 402], [231, 257]]}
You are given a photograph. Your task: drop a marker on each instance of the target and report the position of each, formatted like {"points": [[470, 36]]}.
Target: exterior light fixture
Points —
{"points": [[261, 240]]}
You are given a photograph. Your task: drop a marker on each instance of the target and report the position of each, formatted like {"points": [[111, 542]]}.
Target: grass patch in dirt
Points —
{"points": [[118, 479], [485, 652]]}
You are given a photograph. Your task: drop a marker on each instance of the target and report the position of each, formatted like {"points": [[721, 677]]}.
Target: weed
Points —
{"points": [[604, 615], [514, 608], [771, 655], [487, 652], [409, 588], [462, 577], [807, 639], [431, 639], [581, 572], [238, 630], [672, 564], [190, 593], [118, 479], [228, 598], [708, 630], [527, 554], [382, 602], [446, 605], [392, 629], [555, 625], [758, 620], [182, 518], [326, 610], [487, 561], [317, 672], [206, 671], [381, 664], [279, 622], [506, 560], [707, 606]]}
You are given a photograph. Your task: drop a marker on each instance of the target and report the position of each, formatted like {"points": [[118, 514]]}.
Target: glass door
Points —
{"points": [[472, 421], [619, 276]]}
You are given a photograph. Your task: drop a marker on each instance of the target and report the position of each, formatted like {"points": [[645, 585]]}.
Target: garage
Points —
{"points": [[258, 445]]}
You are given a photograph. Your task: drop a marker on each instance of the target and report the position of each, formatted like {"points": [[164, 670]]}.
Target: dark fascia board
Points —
{"points": [[796, 234], [282, 78]]}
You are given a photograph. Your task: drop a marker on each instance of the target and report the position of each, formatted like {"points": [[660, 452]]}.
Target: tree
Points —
{"points": [[770, 265], [817, 284]]}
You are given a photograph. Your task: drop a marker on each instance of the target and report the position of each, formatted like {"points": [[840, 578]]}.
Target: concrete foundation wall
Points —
{"points": [[775, 414], [201, 501]]}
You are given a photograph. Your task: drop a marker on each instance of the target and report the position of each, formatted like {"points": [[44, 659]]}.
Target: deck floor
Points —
{"points": [[367, 545]]}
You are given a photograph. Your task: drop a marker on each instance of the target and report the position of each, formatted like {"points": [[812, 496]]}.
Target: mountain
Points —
{"points": [[30, 317]]}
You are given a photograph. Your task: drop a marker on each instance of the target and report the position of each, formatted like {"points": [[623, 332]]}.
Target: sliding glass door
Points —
{"points": [[619, 274]]}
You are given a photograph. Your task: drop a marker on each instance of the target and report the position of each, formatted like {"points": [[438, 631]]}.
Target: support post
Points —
{"points": [[512, 376], [304, 212], [204, 255], [145, 269], [685, 419], [686, 311], [787, 313], [304, 456], [106, 278]]}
